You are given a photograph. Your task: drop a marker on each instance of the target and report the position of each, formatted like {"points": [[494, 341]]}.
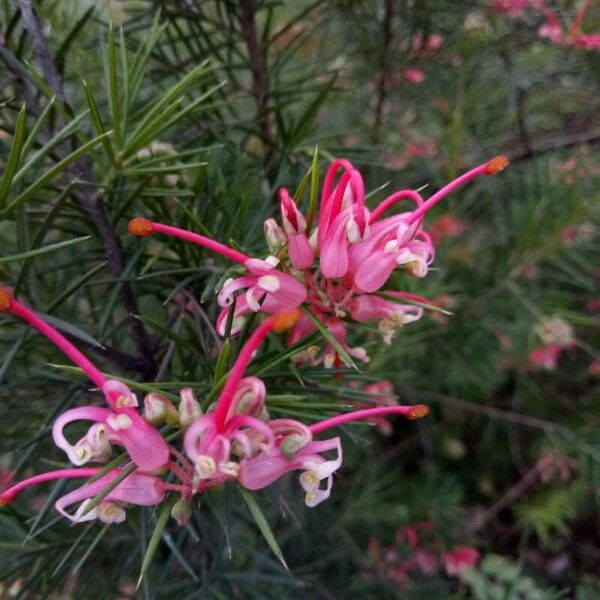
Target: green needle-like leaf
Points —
{"points": [[263, 526]]}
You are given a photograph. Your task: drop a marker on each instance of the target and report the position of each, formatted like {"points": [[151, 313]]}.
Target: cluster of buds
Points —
{"points": [[340, 269], [235, 440]]}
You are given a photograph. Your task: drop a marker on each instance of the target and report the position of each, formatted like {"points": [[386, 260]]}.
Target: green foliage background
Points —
{"points": [[195, 113]]}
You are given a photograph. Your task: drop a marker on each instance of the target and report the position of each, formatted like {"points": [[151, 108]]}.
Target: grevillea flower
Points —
{"points": [[121, 423], [459, 558], [355, 251], [553, 30], [513, 8], [136, 489], [236, 440], [413, 75], [546, 357]]}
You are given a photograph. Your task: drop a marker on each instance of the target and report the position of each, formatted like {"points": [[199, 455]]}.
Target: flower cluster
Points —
{"points": [[338, 273], [235, 440], [410, 555], [552, 28], [340, 269]]}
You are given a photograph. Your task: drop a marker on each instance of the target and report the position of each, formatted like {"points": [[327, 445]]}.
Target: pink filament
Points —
{"points": [[201, 240], [358, 415], [60, 341], [395, 197], [447, 189], [237, 371], [10, 494]]}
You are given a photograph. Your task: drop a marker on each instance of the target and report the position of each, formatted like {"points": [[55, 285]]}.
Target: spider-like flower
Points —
{"points": [[236, 440], [338, 270]]}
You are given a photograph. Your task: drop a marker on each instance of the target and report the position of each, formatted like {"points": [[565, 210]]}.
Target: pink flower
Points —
{"points": [[356, 252], [553, 30], [422, 150], [513, 8], [413, 75], [122, 424], [446, 226], [546, 357], [589, 41], [137, 489], [459, 558]]}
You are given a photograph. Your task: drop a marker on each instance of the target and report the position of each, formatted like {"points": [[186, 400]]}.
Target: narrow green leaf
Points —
{"points": [[161, 525], [91, 548], [223, 361], [113, 86], [76, 285], [44, 250], [151, 113], [41, 233], [301, 187], [71, 36], [164, 168], [170, 334], [97, 120], [72, 330], [45, 149], [330, 338], [51, 174], [124, 76], [262, 524], [314, 189], [15, 154], [37, 127], [105, 491]]}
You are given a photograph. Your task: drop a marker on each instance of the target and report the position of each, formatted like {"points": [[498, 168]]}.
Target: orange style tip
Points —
{"points": [[140, 227], [285, 320], [6, 300], [417, 412], [496, 165], [5, 500]]}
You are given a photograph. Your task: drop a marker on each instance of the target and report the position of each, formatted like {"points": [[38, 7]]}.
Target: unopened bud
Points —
{"points": [[189, 408], [140, 227], [159, 410], [274, 235], [292, 444], [110, 512], [182, 511]]}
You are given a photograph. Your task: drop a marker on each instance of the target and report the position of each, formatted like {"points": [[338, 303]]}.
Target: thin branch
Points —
{"points": [[586, 137], [89, 199], [260, 79], [34, 28], [382, 81]]}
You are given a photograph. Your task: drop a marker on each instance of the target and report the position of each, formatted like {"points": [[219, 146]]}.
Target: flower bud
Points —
{"points": [[189, 408], [274, 235], [182, 511], [159, 410]]}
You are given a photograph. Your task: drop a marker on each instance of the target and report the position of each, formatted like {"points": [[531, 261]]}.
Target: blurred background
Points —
{"points": [[214, 105]]}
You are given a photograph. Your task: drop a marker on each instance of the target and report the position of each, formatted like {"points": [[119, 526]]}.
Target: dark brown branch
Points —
{"points": [[260, 79], [577, 139], [33, 27], [88, 198], [382, 81]]}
